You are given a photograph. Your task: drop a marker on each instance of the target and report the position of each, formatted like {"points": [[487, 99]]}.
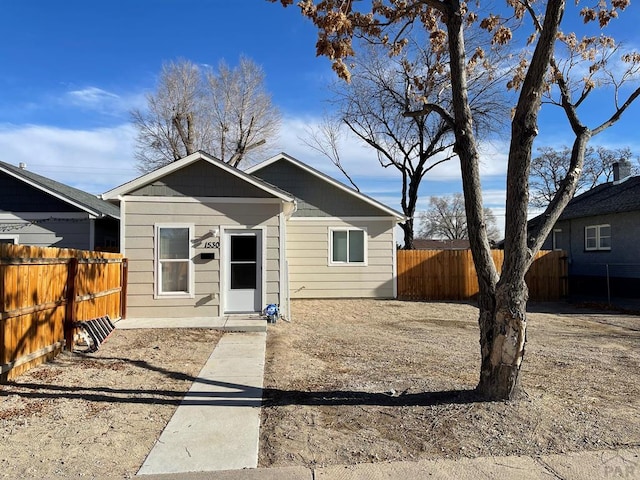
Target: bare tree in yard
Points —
{"points": [[326, 139], [550, 167], [446, 219], [226, 113], [373, 106], [502, 298]]}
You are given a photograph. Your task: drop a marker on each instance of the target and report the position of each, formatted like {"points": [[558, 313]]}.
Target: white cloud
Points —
{"points": [[99, 159], [91, 160], [91, 96], [102, 101]]}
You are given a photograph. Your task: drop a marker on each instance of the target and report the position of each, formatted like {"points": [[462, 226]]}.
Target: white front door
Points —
{"points": [[243, 271]]}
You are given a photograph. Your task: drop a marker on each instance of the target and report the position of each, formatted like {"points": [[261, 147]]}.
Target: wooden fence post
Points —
{"points": [[124, 278], [70, 313]]}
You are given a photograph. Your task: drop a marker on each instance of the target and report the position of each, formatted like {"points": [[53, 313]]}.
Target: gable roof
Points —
{"points": [[328, 179], [186, 161], [611, 197], [80, 199]]}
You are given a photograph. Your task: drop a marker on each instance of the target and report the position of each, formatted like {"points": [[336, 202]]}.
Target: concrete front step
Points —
{"points": [[226, 323]]}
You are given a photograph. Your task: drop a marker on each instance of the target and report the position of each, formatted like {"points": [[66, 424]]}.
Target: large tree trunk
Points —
{"points": [[502, 303], [502, 340]]}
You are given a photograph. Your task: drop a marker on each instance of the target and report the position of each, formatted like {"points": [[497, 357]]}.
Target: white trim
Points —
{"points": [[53, 193], [39, 215], [156, 199], [224, 257], [394, 265], [122, 226], [184, 162], [342, 219], [15, 238], [156, 262], [282, 258], [598, 237], [332, 263], [328, 179]]}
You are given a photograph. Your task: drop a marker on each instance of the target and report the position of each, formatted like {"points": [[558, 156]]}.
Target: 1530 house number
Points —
{"points": [[211, 244]]}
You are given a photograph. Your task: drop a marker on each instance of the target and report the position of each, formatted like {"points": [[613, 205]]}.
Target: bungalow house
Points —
{"points": [[35, 210], [206, 239], [599, 230]]}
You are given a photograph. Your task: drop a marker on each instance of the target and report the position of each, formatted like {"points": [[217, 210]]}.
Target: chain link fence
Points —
{"points": [[606, 280]]}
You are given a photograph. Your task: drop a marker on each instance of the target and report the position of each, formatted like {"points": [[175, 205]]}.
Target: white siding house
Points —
{"points": [[205, 239]]}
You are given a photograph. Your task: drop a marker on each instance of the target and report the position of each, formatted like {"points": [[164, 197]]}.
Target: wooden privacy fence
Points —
{"points": [[44, 291], [451, 275]]}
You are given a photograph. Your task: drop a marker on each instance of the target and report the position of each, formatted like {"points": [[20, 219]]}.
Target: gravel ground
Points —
{"points": [[365, 381], [346, 382]]}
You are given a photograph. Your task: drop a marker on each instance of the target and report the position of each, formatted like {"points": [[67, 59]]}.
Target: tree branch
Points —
{"points": [[429, 108]]}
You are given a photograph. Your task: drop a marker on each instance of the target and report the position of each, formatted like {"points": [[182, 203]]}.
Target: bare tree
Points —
{"points": [[242, 114], [226, 113], [326, 139], [540, 71], [446, 219], [172, 125], [550, 167], [374, 105]]}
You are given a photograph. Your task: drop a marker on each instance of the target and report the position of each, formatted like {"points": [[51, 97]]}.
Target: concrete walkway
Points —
{"points": [[587, 465], [216, 427]]}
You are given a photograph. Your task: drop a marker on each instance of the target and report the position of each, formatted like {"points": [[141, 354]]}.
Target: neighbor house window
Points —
{"points": [[597, 237], [348, 246], [10, 239], [556, 237], [173, 260]]}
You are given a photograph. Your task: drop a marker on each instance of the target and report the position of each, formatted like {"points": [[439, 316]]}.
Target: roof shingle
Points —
{"points": [[80, 198]]}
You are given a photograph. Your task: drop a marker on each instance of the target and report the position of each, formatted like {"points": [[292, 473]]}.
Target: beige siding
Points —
{"points": [[311, 276], [140, 221]]}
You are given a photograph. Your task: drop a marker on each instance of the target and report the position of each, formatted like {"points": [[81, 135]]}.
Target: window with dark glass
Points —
{"points": [[244, 262]]}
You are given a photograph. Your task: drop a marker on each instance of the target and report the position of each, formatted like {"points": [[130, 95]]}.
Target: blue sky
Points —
{"points": [[71, 71]]}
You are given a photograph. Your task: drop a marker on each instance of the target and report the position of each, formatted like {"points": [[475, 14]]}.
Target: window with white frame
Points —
{"points": [[173, 259], [556, 239], [597, 237], [10, 239], [348, 246]]}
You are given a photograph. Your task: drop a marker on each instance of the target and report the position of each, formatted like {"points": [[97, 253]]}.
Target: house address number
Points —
{"points": [[211, 244]]}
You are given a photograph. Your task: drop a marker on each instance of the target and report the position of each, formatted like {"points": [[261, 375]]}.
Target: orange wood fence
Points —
{"points": [[45, 290], [451, 275]]}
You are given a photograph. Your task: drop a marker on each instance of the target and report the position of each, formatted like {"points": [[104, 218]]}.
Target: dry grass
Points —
{"points": [[363, 380], [98, 415]]}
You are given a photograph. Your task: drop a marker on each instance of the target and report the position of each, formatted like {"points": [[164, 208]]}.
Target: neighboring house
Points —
{"points": [[35, 210], [440, 244], [599, 230], [206, 239]]}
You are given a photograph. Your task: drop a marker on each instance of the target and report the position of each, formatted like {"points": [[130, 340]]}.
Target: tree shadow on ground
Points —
{"points": [[334, 398], [218, 393]]}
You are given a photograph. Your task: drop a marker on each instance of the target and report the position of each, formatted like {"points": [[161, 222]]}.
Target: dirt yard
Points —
{"points": [[369, 381], [347, 382], [98, 415]]}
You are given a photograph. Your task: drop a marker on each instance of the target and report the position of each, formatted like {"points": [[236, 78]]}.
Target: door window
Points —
{"points": [[243, 262]]}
